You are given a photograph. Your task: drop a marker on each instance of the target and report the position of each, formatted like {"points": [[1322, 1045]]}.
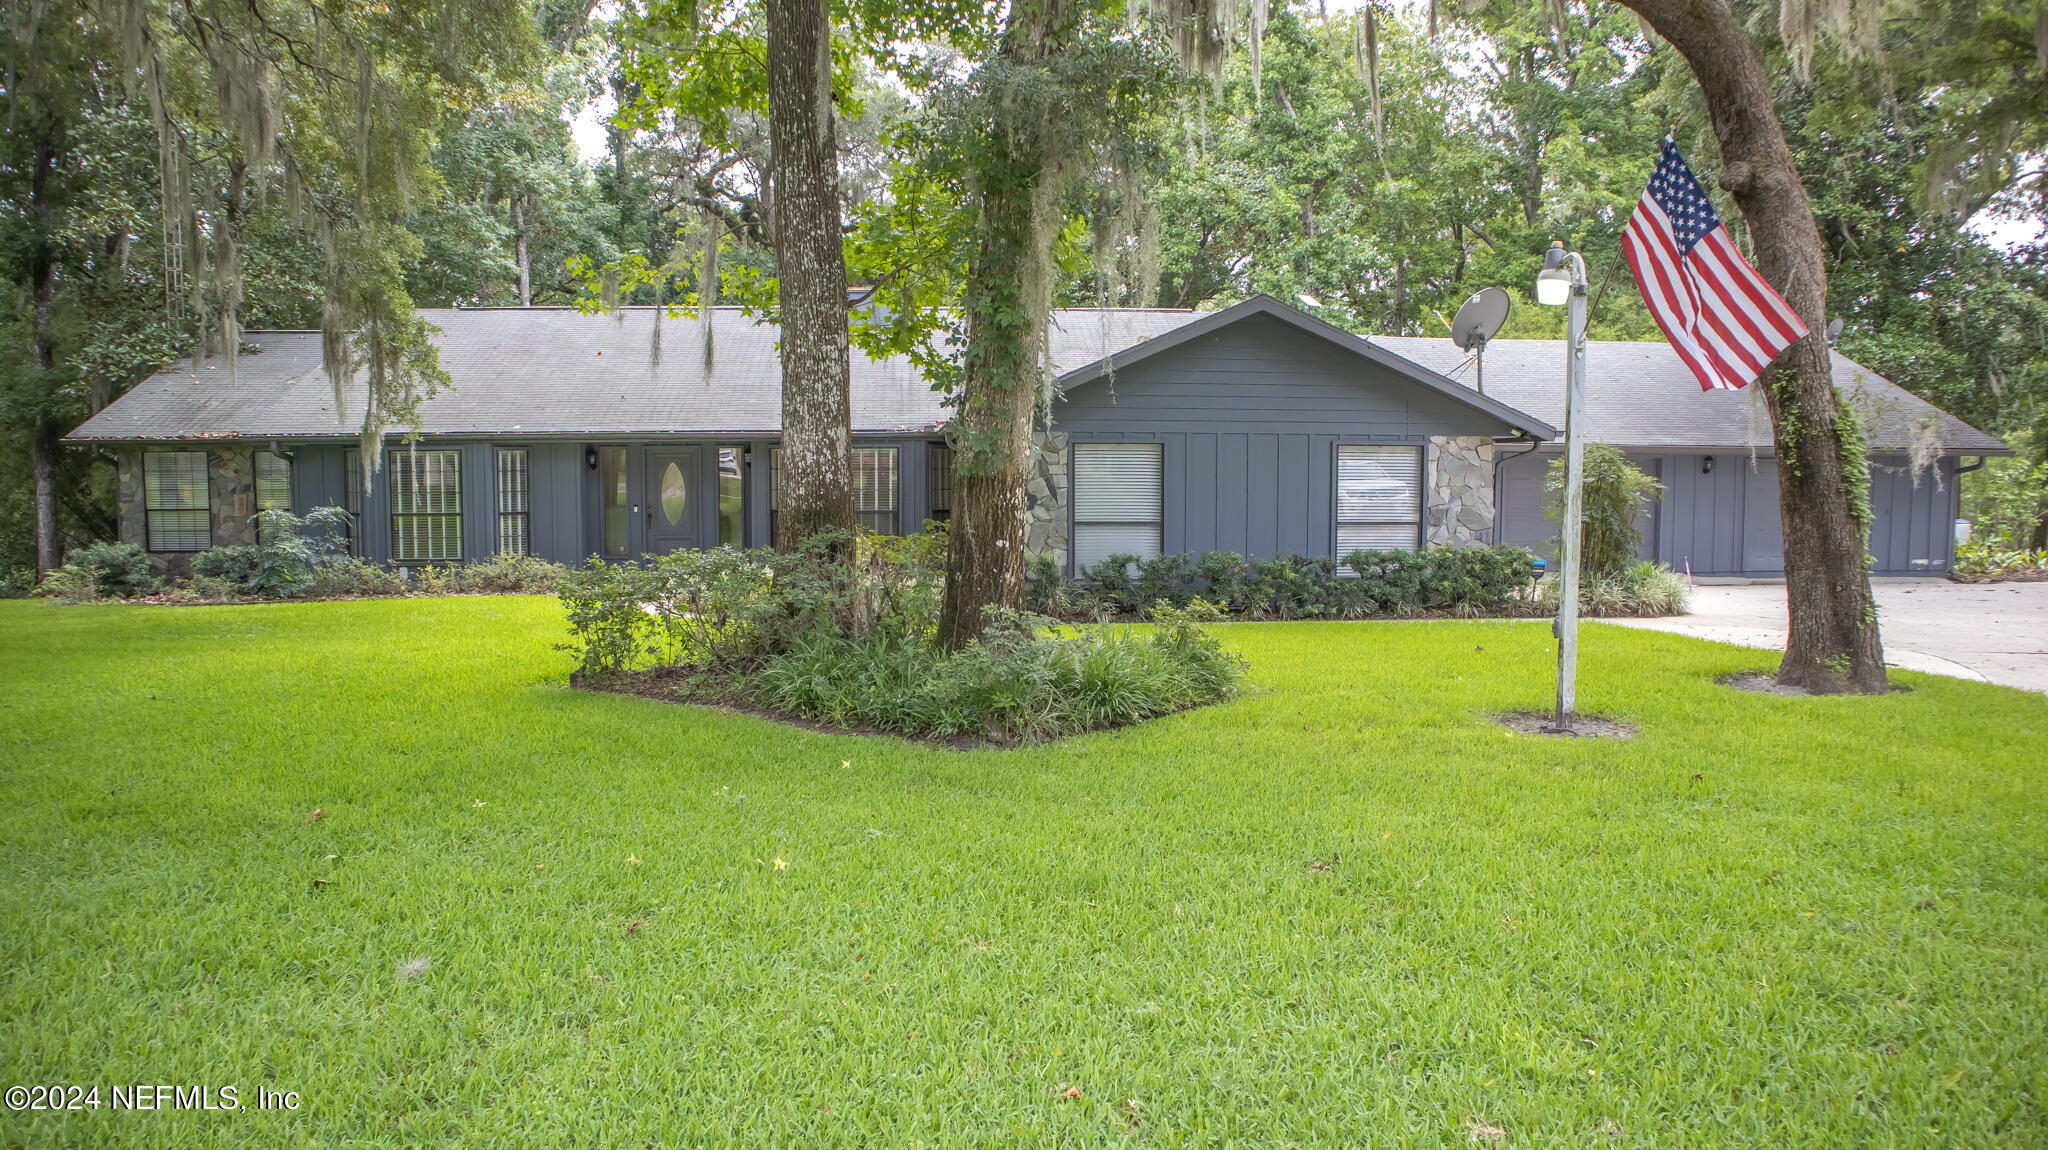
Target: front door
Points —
{"points": [[671, 500]]}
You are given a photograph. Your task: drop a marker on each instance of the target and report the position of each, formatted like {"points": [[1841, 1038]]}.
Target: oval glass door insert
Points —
{"points": [[672, 494]]}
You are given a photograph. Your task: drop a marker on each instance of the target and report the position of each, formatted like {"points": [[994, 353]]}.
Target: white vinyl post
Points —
{"points": [[1574, 477]]}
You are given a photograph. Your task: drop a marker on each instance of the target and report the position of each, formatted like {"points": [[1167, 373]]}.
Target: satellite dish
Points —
{"points": [[1479, 318], [1835, 326], [1308, 300], [1476, 322]]}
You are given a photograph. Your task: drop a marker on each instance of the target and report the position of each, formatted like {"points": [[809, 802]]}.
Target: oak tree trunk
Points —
{"points": [[992, 431], [1005, 310], [815, 485], [1823, 480]]}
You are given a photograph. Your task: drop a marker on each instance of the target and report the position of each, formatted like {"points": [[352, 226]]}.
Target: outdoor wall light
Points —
{"points": [[590, 458], [1707, 465]]}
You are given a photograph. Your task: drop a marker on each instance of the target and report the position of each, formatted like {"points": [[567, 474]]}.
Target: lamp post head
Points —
{"points": [[1554, 282]]}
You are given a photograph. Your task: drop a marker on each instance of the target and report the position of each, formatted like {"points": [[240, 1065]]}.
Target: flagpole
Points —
{"points": [[1574, 502], [1563, 281]]}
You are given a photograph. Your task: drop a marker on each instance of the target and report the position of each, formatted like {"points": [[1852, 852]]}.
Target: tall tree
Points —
{"points": [[703, 65], [1060, 97], [1832, 643], [47, 96], [816, 485]]}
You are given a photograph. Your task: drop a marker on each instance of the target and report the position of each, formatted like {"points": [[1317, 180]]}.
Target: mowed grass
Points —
{"points": [[1345, 910]]}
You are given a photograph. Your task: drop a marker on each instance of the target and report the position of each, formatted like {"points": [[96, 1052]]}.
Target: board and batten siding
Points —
{"points": [[1724, 521], [1249, 418]]}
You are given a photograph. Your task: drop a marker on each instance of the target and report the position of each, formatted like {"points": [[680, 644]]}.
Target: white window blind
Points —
{"points": [[874, 488], [1379, 499], [273, 482], [1119, 501], [426, 505], [514, 512], [175, 500], [273, 485]]}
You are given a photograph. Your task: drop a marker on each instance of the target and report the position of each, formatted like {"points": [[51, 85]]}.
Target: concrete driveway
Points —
{"points": [[1992, 632]]}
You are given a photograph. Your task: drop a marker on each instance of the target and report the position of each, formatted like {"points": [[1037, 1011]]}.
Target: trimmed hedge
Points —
{"points": [[1463, 581]]}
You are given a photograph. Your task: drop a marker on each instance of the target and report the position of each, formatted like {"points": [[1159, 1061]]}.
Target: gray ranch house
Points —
{"points": [[1257, 428]]}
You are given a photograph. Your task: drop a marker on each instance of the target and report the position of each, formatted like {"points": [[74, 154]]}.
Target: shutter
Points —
{"points": [[1119, 501]]}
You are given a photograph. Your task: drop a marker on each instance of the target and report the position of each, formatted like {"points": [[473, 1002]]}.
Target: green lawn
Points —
{"points": [[1345, 910]]}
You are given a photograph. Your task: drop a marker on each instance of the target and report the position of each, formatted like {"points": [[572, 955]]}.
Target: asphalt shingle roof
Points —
{"points": [[539, 371], [1642, 395], [555, 370]]}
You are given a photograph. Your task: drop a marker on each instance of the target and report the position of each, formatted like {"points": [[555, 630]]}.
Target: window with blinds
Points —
{"points": [[939, 480], [1379, 499], [273, 486], [514, 503], [175, 501], [1119, 501], [352, 499], [874, 488], [426, 505]]}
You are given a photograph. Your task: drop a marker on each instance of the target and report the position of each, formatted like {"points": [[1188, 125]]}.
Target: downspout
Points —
{"points": [[1498, 472]]}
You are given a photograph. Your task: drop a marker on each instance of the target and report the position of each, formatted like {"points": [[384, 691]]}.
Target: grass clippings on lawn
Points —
{"points": [[1346, 909]]}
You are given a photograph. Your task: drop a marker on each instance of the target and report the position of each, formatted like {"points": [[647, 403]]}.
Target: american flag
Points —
{"points": [[1724, 321]]}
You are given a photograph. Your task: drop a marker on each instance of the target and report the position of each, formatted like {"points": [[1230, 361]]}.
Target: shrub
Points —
{"points": [[855, 643], [1985, 562], [349, 578], [2007, 499], [284, 561], [1469, 580], [604, 603], [69, 584], [237, 565], [115, 570], [712, 607], [1644, 588], [1021, 680], [202, 589], [1614, 492], [506, 575]]}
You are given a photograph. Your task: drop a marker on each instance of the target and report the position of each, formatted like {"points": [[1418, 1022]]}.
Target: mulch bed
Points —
{"points": [[1583, 726]]}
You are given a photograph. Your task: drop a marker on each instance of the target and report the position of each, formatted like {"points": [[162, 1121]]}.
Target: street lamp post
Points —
{"points": [[1563, 281]]}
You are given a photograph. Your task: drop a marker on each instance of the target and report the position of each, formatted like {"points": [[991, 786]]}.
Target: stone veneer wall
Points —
{"points": [[1045, 497], [1458, 504], [131, 521]]}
